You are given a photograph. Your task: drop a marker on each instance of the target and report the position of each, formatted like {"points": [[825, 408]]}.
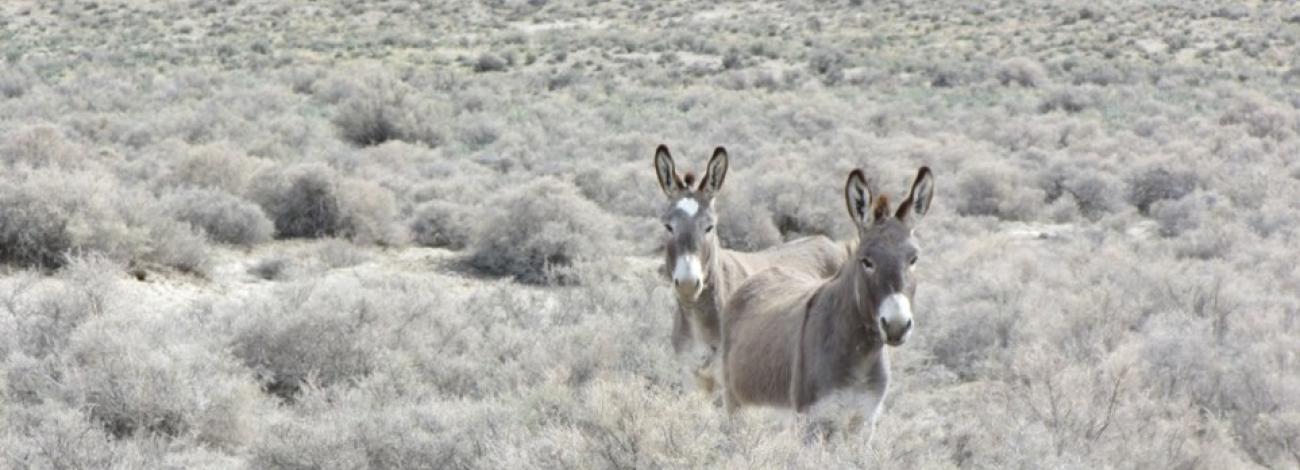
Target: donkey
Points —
{"points": [[817, 345], [704, 274]]}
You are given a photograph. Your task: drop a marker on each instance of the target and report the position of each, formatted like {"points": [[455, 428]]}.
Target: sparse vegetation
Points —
{"points": [[389, 235]]}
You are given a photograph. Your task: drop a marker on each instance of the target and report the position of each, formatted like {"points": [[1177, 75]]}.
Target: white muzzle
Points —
{"points": [[896, 318], [688, 277]]}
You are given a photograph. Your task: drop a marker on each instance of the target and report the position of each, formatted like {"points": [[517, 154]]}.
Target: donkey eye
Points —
{"points": [[911, 261], [867, 265], [708, 229], [669, 227]]}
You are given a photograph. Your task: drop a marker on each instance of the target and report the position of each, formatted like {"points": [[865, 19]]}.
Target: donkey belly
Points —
{"points": [[760, 382], [759, 357]]}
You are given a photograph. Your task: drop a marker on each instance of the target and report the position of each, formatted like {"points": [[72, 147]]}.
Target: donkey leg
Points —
{"points": [[875, 403], [684, 348], [730, 402], [704, 380], [694, 372], [682, 340]]}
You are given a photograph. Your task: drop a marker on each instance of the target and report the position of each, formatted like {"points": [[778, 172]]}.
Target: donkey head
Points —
{"points": [[886, 253], [689, 220]]}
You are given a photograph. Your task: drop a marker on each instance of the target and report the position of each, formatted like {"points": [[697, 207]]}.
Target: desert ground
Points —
{"points": [[426, 234]]}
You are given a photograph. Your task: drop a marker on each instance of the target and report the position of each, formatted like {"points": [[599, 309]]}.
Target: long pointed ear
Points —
{"points": [[918, 201], [669, 180], [857, 196], [716, 172]]}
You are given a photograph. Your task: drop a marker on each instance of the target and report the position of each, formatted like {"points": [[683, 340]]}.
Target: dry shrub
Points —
{"points": [[1094, 71], [306, 333], [998, 190], [47, 213], [489, 62], [1021, 71], [745, 227], [302, 200], [1097, 193], [215, 166], [33, 231], [336, 253], [155, 374], [443, 224], [1188, 213], [15, 81], [1262, 116], [796, 197], [223, 217], [953, 74], [312, 201], [274, 268], [1070, 99], [1275, 219], [44, 313], [174, 244], [40, 145], [55, 435], [629, 189], [364, 428], [1157, 183], [83, 339], [626, 425], [828, 64], [376, 108], [538, 230]]}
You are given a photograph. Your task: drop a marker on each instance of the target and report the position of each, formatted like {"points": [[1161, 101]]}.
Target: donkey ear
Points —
{"points": [[918, 201], [669, 181], [857, 196], [716, 172]]}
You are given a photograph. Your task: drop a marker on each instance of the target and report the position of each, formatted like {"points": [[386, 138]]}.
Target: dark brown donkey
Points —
{"points": [[817, 345], [704, 274]]}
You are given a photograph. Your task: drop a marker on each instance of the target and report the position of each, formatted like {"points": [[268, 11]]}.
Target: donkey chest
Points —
{"points": [[703, 320]]}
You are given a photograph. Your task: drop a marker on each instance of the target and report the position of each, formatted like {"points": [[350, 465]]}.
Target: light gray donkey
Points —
{"points": [[817, 345], [704, 274]]}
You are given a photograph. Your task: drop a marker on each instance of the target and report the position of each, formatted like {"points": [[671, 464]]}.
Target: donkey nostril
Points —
{"points": [[909, 324]]}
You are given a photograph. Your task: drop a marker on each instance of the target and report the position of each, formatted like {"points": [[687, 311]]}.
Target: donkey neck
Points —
{"points": [[838, 347], [717, 279], [846, 309]]}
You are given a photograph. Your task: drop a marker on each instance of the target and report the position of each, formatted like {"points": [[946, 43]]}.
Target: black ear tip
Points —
{"points": [[661, 149], [925, 171], [720, 151]]}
